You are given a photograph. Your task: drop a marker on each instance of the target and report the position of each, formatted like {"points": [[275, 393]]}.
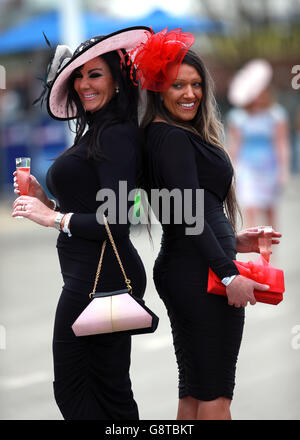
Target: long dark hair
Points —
{"points": [[122, 107], [206, 123]]}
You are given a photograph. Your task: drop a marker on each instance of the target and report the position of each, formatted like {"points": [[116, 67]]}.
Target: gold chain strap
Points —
{"points": [[98, 269], [127, 281]]}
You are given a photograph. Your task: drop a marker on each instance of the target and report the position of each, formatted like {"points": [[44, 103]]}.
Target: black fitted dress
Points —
{"points": [[91, 373], [206, 331]]}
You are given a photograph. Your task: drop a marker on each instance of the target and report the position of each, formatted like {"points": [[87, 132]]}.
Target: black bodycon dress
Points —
{"points": [[91, 373], [206, 331]]}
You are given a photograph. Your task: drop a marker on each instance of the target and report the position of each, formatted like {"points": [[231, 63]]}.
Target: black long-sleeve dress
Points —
{"points": [[206, 331], [91, 373]]}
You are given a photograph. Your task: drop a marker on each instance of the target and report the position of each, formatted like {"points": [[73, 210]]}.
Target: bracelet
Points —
{"points": [[54, 204], [227, 280], [66, 224], [57, 220]]}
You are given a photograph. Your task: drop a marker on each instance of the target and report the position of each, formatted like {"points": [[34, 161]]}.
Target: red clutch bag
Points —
{"points": [[260, 271]]}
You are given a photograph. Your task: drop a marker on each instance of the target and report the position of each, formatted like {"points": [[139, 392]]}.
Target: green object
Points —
{"points": [[137, 204]]}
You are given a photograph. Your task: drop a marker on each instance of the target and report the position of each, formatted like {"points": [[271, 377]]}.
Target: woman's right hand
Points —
{"points": [[35, 190], [240, 291]]}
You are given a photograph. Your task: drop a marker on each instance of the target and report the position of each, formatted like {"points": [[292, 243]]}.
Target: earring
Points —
{"points": [[117, 90]]}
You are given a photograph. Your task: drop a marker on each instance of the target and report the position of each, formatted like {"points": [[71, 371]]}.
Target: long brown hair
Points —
{"points": [[206, 123]]}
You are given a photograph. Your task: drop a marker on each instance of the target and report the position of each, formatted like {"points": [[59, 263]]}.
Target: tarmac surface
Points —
{"points": [[268, 370]]}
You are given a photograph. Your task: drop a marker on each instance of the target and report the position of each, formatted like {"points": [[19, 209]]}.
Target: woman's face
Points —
{"points": [[94, 84], [183, 98]]}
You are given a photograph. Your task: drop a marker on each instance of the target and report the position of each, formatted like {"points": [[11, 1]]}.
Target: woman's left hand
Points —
{"points": [[247, 239], [33, 209]]}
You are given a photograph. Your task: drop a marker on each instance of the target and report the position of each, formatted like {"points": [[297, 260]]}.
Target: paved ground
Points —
{"points": [[268, 375]]}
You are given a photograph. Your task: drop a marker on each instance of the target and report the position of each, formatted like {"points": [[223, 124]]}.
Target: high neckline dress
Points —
{"points": [[206, 331], [91, 373]]}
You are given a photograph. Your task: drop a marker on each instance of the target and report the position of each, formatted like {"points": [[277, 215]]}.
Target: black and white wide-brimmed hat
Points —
{"points": [[64, 63]]}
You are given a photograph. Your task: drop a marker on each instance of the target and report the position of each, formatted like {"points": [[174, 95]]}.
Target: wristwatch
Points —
{"points": [[58, 220], [227, 280]]}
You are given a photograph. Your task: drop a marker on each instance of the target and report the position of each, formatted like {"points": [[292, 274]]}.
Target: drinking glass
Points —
{"points": [[23, 172], [265, 242]]}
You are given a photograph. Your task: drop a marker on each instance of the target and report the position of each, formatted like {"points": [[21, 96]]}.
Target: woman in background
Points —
{"points": [[258, 142]]}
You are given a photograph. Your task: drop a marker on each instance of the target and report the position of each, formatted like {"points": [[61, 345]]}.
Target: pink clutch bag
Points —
{"points": [[117, 311]]}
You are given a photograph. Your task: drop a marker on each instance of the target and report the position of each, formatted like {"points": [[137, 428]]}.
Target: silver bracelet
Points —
{"points": [[54, 204], [57, 220], [66, 224], [227, 280]]}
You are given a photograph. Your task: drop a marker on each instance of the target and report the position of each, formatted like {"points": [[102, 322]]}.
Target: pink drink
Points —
{"points": [[23, 179]]}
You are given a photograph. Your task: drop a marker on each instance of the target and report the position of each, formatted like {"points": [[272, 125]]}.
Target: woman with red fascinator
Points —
{"points": [[183, 151]]}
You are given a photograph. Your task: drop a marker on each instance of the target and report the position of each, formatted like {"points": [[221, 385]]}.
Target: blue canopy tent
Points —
{"points": [[28, 35], [159, 20]]}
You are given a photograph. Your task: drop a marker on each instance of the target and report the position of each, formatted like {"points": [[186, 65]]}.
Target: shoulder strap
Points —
{"points": [[127, 281]]}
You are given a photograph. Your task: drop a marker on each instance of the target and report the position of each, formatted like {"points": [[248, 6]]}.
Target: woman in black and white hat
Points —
{"points": [[91, 373]]}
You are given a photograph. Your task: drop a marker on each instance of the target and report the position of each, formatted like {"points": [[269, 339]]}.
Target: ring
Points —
{"points": [[22, 208]]}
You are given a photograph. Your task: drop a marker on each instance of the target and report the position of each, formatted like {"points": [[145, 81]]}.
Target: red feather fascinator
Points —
{"points": [[158, 59]]}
